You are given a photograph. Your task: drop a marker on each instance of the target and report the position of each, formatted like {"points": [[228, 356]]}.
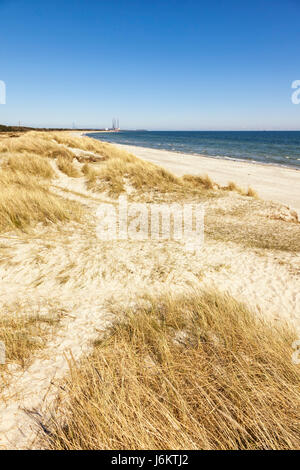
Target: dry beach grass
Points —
{"points": [[24, 334], [66, 166], [195, 372], [25, 201]]}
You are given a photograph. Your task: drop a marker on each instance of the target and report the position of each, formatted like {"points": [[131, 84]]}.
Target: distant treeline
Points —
{"points": [[14, 128]]}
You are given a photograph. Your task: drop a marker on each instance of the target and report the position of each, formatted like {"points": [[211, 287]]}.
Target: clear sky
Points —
{"points": [[155, 64]]}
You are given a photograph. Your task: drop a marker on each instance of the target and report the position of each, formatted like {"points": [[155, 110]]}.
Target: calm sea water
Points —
{"points": [[279, 148]]}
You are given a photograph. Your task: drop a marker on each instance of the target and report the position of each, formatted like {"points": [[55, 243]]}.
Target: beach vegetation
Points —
{"points": [[25, 201], [195, 371], [67, 166], [30, 164]]}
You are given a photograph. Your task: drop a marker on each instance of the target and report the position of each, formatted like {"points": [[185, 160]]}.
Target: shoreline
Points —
{"points": [[202, 155], [272, 182]]}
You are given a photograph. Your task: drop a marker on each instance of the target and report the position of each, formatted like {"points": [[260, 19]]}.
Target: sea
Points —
{"points": [[268, 147]]}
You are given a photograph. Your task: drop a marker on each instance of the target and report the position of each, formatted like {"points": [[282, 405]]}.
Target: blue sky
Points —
{"points": [[158, 64]]}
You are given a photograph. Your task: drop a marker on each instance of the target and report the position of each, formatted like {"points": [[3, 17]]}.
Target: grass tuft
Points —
{"points": [[24, 201], [30, 165], [204, 181], [22, 335], [188, 372], [67, 167], [252, 193]]}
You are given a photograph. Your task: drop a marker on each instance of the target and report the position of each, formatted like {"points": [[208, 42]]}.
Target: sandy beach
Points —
{"points": [[251, 254], [272, 182]]}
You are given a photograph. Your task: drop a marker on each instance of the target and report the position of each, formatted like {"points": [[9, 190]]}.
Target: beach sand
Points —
{"points": [[272, 182]]}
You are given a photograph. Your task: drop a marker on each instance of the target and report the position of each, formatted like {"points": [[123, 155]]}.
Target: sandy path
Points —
{"points": [[271, 182]]}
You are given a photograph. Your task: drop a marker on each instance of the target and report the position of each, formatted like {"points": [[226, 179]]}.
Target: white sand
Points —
{"points": [[272, 182]]}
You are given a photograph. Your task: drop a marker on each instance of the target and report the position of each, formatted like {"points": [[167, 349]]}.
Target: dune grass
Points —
{"points": [[114, 170], [113, 166], [30, 164], [259, 233], [67, 167], [38, 143], [25, 334], [147, 179], [198, 371], [143, 176], [232, 186], [120, 167], [197, 181], [61, 152], [254, 223], [31, 142], [102, 149], [24, 201]]}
